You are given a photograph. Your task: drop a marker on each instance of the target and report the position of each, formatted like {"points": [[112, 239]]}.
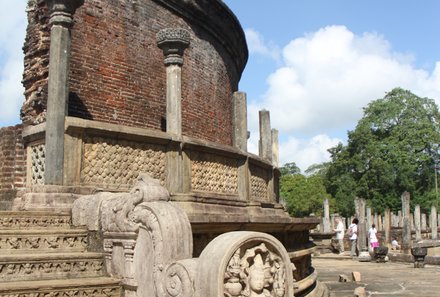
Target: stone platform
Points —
{"points": [[379, 279]]}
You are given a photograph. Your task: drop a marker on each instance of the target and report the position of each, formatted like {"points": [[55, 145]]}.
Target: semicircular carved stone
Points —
{"points": [[244, 264]]}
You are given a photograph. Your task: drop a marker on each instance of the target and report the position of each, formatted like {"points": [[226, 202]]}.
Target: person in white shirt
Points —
{"points": [[395, 245], [340, 234], [352, 232], [373, 237]]}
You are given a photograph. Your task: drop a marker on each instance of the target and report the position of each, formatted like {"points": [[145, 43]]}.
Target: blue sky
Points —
{"points": [[313, 63], [316, 63]]}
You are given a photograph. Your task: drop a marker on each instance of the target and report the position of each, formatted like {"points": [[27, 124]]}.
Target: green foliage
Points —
{"points": [[290, 168], [303, 195], [392, 149]]}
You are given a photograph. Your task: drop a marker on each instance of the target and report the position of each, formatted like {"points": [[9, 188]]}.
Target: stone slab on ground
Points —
{"points": [[379, 279]]}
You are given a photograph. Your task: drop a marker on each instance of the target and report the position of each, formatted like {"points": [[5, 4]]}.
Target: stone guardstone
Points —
{"points": [[244, 264], [364, 256], [144, 236], [360, 292], [356, 276]]}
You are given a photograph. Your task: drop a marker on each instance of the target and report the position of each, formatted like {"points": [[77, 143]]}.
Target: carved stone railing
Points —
{"points": [[148, 244], [108, 157]]}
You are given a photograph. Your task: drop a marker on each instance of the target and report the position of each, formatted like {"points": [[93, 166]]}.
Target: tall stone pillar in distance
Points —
{"points": [[275, 148], [424, 222], [387, 226], [265, 135], [417, 223], [239, 118], [173, 42], [406, 221], [326, 217], [368, 224], [433, 222], [376, 222], [364, 256], [61, 21]]}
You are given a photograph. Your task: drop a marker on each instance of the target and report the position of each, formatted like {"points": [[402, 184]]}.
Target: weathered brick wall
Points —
{"points": [[12, 164], [117, 73], [36, 61]]}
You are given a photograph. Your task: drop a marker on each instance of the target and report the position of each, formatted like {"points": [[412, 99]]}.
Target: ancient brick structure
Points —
{"points": [[117, 69], [13, 164], [144, 92]]}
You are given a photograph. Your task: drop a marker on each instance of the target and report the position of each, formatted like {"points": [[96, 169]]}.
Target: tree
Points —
{"points": [[290, 168], [303, 195], [392, 149]]}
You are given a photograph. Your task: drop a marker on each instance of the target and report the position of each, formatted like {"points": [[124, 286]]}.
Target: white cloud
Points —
{"points": [[305, 152], [12, 32], [325, 80], [257, 45]]}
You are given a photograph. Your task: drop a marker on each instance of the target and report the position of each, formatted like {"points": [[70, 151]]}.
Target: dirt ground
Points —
{"points": [[379, 279]]}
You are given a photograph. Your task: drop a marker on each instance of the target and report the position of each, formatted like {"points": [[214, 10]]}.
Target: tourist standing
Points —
{"points": [[373, 237], [340, 235], [352, 232]]}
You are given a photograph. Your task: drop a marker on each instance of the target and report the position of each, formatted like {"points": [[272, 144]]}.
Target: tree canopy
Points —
{"points": [[303, 195], [393, 149]]}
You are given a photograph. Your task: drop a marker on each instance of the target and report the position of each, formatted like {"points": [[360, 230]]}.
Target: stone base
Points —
{"points": [[48, 198], [364, 256]]}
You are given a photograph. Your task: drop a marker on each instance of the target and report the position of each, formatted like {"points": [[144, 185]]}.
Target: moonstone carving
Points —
{"points": [[244, 264]]}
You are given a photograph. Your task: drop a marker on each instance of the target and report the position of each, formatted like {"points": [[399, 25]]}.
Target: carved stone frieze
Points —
{"points": [[60, 242], [83, 292], [115, 163], [31, 221], [29, 270], [259, 183], [215, 174], [38, 156]]}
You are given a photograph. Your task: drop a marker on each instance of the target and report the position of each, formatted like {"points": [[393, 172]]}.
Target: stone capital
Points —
{"points": [[61, 11], [173, 42]]}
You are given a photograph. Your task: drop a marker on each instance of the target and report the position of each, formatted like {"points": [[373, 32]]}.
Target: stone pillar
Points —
{"points": [[376, 222], [239, 118], [265, 135], [173, 42], [368, 223], [417, 222], [275, 148], [411, 217], [433, 222], [399, 219], [387, 226], [394, 220], [326, 217], [406, 222], [362, 230], [61, 20], [424, 222]]}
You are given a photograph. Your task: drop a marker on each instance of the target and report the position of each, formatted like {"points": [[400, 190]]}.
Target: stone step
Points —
{"points": [[85, 287], [34, 219], [43, 241], [45, 266]]}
